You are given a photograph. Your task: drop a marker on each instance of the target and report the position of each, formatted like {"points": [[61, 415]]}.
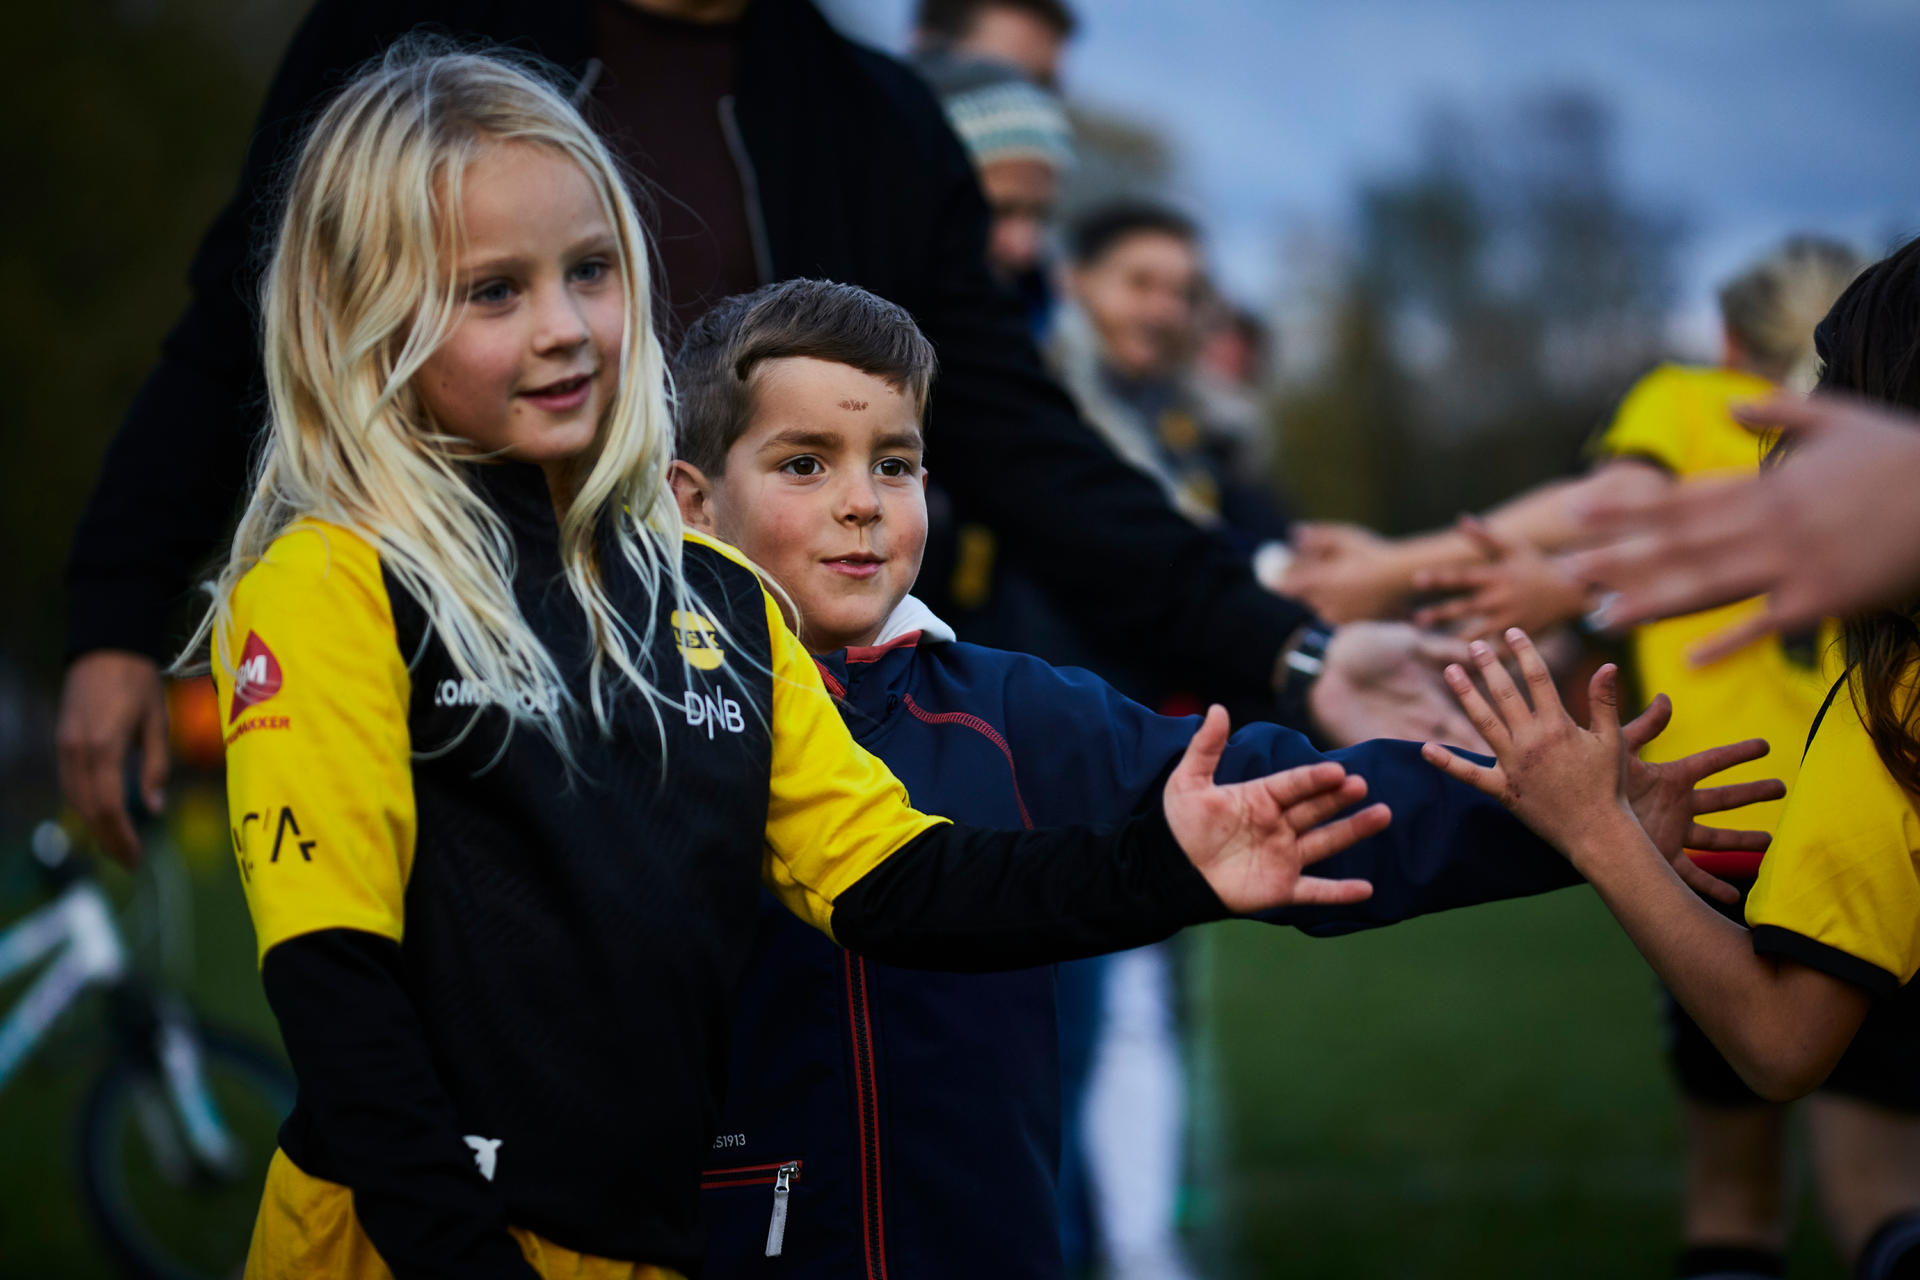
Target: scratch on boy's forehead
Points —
{"points": [[854, 405]]}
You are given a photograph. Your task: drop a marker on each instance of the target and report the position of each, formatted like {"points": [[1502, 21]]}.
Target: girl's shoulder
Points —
{"points": [[316, 570]]}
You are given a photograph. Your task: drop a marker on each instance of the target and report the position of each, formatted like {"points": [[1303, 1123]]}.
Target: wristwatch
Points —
{"points": [[1306, 657], [1299, 668]]}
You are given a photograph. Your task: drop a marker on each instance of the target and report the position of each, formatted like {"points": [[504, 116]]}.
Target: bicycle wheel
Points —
{"points": [[162, 1215]]}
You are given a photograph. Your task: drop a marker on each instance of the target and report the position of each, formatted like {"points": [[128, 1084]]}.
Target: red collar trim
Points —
{"points": [[874, 652]]}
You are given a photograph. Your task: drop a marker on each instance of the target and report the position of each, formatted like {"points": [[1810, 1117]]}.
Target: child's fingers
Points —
{"points": [[1489, 724], [1310, 813], [1446, 611], [1506, 694], [1325, 841], [1458, 577], [1704, 882], [1603, 705], [1737, 794], [1484, 539], [1649, 724], [1492, 781], [1704, 764], [1726, 839], [1534, 668], [1312, 891], [1290, 787], [1202, 755]]}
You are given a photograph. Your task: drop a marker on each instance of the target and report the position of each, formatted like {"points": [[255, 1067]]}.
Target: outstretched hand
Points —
{"points": [[1251, 840], [1565, 781], [1517, 585], [1556, 777], [1666, 797]]}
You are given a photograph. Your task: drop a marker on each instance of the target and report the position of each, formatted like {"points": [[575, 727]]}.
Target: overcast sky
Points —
{"points": [[1749, 118]]}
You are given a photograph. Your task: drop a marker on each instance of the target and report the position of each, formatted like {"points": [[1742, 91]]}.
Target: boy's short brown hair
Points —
{"points": [[713, 369]]}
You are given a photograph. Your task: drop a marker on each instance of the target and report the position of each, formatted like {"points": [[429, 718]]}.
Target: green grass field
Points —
{"points": [[1475, 1095], [1479, 1094]]}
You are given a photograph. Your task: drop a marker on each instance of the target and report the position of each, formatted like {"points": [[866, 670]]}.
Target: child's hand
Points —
{"points": [[1666, 802], [1560, 779], [1251, 839]]}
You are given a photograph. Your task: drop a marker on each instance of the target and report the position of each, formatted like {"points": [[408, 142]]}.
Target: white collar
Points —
{"points": [[910, 615]]}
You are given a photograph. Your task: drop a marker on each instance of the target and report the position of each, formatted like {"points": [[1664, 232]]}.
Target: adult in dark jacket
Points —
{"points": [[783, 150]]}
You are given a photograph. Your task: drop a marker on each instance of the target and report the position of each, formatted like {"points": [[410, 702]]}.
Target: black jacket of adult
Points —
{"points": [[860, 180]]}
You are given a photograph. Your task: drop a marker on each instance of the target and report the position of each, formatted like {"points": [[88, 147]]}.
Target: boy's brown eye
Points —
{"points": [[804, 466], [893, 466]]}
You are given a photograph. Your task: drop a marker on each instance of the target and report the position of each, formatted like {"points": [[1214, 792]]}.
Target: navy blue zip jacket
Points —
{"points": [[917, 1114]]}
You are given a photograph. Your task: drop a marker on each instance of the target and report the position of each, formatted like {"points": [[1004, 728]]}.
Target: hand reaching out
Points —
{"points": [[1833, 532], [1348, 573], [1252, 839], [1666, 798], [1568, 783], [1517, 586], [1382, 680]]}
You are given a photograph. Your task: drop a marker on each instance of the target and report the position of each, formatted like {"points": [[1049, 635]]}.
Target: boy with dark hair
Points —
{"points": [[882, 1120]]}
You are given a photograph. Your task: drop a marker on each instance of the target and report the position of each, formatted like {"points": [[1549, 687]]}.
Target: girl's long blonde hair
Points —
{"points": [[359, 292]]}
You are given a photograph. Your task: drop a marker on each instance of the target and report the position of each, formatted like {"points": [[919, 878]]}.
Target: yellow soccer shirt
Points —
{"points": [[1840, 888], [1679, 418]]}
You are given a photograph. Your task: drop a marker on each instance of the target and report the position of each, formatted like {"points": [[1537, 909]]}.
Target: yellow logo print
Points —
{"points": [[698, 640]]}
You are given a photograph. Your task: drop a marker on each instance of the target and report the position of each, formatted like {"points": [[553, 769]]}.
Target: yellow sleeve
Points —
{"points": [[1841, 872], [834, 810], [1650, 423], [313, 697]]}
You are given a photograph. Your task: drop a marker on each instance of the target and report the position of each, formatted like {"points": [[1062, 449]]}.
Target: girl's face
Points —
{"points": [[534, 357]]}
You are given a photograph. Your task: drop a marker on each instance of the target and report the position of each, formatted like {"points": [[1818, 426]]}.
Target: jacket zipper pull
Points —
{"points": [[777, 1229]]}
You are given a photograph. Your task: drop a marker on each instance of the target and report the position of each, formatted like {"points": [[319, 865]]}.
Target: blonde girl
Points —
{"points": [[510, 755]]}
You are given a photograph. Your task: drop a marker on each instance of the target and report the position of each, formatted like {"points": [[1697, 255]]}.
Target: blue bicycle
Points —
{"points": [[175, 1136]]}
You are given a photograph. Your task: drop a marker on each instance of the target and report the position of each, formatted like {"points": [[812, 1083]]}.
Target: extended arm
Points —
{"points": [[1834, 532], [1781, 1024], [1349, 573]]}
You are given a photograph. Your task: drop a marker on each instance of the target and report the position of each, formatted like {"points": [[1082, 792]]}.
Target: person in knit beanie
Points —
{"points": [[1018, 136]]}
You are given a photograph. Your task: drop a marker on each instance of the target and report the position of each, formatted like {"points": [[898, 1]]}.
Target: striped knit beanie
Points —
{"points": [[998, 113]]}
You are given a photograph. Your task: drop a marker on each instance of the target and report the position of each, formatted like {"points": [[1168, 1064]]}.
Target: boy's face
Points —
{"points": [[825, 491]]}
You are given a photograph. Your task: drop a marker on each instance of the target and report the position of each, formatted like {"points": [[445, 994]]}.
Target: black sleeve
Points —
{"points": [[1009, 446], [970, 900], [174, 473], [372, 1114], [1772, 940]]}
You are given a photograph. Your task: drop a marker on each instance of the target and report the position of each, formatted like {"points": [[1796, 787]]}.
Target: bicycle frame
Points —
{"points": [[81, 918]]}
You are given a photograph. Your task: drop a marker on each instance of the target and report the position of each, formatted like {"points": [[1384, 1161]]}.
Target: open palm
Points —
{"points": [[1252, 840]]}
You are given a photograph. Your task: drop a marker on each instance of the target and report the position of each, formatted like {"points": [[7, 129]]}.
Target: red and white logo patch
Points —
{"points": [[256, 679]]}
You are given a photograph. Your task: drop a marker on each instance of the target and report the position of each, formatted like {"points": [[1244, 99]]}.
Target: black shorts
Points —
{"points": [[1881, 1066]]}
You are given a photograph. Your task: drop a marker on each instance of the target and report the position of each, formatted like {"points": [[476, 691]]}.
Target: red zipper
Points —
{"points": [[873, 1231], [745, 1175]]}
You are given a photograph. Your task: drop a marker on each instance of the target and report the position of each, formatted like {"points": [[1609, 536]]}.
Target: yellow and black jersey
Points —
{"points": [[1840, 888], [505, 979]]}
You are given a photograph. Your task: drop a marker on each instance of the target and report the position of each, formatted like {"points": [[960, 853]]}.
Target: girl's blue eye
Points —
{"points": [[590, 270], [803, 466], [495, 291]]}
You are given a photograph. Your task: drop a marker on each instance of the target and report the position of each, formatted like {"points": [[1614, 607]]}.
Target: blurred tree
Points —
{"points": [[1498, 299], [130, 120]]}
